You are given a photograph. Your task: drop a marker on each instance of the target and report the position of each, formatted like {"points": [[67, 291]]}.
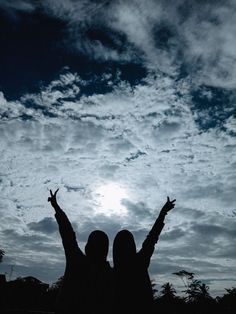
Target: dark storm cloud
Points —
{"points": [[29, 253], [46, 225], [190, 213], [227, 252], [214, 189], [110, 225], [199, 240], [212, 232], [173, 235], [138, 210], [25, 242]]}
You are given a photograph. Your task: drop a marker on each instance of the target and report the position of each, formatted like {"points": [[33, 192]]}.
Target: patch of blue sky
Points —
{"points": [[213, 107]]}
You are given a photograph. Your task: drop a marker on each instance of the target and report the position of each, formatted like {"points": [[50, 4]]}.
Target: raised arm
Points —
{"points": [[153, 236], [65, 228]]}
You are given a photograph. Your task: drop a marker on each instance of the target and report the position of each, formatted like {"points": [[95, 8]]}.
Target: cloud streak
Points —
{"points": [[167, 37]]}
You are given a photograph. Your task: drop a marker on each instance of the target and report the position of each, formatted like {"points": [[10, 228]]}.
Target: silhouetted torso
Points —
{"points": [[133, 293], [133, 290], [87, 286]]}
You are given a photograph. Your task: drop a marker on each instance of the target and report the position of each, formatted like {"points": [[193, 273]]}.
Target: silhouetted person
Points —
{"points": [[87, 279], [133, 290]]}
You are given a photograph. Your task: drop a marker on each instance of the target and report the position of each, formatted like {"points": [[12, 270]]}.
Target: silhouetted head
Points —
{"points": [[97, 246], [124, 249]]}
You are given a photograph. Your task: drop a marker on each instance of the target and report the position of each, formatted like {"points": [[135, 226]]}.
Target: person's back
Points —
{"points": [[133, 290], [87, 288], [100, 274], [87, 282]]}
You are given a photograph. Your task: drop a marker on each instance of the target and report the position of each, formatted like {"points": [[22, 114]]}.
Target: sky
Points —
{"points": [[119, 104]]}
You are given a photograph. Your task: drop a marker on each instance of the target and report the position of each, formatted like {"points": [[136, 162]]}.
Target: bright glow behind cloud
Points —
{"points": [[109, 200], [154, 150], [164, 135]]}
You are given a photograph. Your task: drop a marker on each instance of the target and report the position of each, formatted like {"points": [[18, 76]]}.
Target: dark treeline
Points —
{"points": [[30, 295]]}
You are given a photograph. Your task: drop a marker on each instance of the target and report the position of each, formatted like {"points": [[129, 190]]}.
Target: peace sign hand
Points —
{"points": [[168, 205], [53, 199]]}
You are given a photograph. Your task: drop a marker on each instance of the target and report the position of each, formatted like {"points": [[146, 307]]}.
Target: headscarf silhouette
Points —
{"points": [[124, 249], [87, 282], [97, 246], [133, 290]]}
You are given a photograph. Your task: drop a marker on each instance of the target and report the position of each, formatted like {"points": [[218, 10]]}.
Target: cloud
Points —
{"points": [[173, 37], [173, 235], [18, 5], [211, 44], [202, 33], [46, 225], [213, 231], [169, 133], [190, 214], [144, 138]]}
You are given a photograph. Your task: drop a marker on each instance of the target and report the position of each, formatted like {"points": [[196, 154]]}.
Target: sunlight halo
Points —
{"points": [[109, 198]]}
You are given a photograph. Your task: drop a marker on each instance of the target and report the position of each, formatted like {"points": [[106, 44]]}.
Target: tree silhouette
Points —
{"points": [[227, 302], [168, 302], [185, 276], [204, 291], [231, 292], [2, 253], [57, 285], [168, 291], [197, 292], [28, 294], [154, 289], [53, 293]]}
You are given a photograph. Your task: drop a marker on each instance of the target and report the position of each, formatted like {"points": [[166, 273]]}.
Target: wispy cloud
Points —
{"points": [[169, 37], [145, 138]]}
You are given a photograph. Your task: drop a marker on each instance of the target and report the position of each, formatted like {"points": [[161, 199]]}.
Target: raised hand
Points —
{"points": [[53, 199], [168, 206]]}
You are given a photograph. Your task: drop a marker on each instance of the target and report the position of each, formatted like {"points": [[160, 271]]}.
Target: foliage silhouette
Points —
{"points": [[168, 291], [168, 301], [30, 295], [197, 292], [2, 253], [185, 276]]}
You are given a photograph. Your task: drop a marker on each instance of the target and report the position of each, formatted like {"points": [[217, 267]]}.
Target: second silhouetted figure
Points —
{"points": [[133, 290]]}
